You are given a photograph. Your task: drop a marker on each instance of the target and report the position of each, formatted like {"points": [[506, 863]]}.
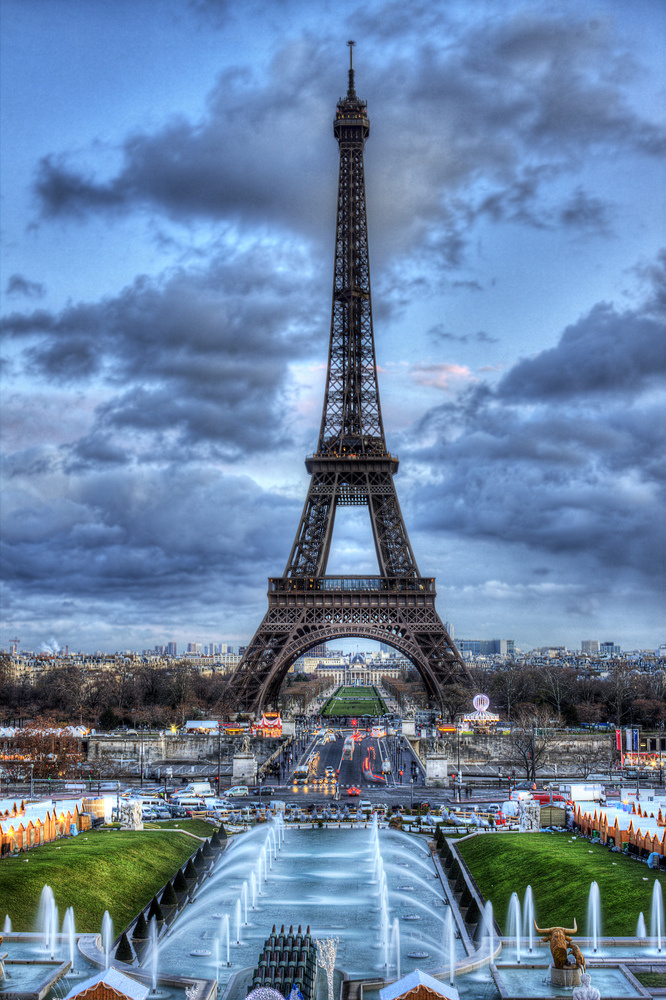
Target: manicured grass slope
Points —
{"points": [[560, 871], [115, 871]]}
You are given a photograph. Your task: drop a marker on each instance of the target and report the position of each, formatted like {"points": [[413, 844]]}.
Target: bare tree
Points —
{"points": [[455, 699], [621, 683], [530, 739], [557, 684]]}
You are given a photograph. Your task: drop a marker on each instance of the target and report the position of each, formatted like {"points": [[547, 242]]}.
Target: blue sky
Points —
{"points": [[168, 180]]}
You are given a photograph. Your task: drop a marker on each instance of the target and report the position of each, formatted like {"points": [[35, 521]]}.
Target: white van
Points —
{"points": [[238, 791], [190, 802]]}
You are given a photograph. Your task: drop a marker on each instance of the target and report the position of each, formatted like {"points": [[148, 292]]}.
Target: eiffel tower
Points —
{"points": [[351, 467]]}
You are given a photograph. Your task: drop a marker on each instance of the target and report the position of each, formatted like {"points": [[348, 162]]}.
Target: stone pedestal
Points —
{"points": [[408, 727], [436, 769], [288, 727], [568, 976], [244, 768]]}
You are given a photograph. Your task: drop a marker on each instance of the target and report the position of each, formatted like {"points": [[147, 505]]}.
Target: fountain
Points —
{"points": [[514, 925], [594, 916], [489, 929], [657, 921], [641, 932], [528, 917], [152, 930], [107, 937], [450, 939], [253, 889], [7, 926], [47, 920], [245, 902], [315, 870], [227, 934], [70, 932], [238, 921], [395, 947]]}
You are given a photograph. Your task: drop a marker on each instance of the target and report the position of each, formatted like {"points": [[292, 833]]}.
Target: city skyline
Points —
{"points": [[167, 260]]}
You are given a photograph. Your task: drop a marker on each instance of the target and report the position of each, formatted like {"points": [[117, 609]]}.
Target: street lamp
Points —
{"points": [[32, 790], [411, 794], [458, 769]]}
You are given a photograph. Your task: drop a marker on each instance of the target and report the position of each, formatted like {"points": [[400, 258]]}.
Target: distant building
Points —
{"points": [[487, 647], [590, 646], [609, 649]]}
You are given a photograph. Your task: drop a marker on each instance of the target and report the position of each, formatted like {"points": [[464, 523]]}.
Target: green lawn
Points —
{"points": [[560, 870], [354, 701], [118, 871]]}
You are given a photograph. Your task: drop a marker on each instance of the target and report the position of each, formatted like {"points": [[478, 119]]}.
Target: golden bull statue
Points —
{"points": [[559, 942]]}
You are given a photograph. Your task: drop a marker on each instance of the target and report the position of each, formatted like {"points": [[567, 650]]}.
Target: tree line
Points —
{"points": [[625, 696], [134, 693]]}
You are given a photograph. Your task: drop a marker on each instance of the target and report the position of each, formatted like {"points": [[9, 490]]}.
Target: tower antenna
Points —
{"points": [[351, 92]]}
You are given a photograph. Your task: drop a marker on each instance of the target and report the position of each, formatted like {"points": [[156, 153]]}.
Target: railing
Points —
{"points": [[386, 584]]}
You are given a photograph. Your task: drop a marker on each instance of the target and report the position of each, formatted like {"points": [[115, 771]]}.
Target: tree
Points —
{"points": [[530, 739], [53, 753], [511, 685], [454, 700], [557, 685], [620, 690]]}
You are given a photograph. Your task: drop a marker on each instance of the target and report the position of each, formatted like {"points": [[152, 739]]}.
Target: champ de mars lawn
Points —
{"points": [[560, 868], [115, 870]]}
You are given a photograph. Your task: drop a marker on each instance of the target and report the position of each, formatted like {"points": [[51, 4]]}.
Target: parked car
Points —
{"points": [[353, 790], [262, 790], [238, 791]]}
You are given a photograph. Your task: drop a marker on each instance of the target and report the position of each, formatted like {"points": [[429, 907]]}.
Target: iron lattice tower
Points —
{"points": [[352, 466]]}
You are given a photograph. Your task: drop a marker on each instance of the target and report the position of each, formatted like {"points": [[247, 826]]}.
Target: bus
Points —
{"points": [[348, 748], [301, 774]]}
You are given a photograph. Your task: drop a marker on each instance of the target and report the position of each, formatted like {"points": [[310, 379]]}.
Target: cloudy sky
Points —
{"points": [[169, 182]]}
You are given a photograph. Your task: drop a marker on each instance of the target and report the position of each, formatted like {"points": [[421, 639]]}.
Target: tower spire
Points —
{"points": [[351, 92]]}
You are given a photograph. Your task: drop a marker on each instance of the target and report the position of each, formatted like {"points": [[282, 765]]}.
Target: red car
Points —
{"points": [[353, 790]]}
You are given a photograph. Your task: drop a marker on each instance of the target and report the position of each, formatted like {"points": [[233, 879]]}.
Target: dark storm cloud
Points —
{"points": [[489, 126], [200, 357], [161, 535], [19, 285], [585, 480], [603, 352]]}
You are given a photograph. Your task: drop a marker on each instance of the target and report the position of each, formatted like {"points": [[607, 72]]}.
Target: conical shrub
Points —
{"points": [[180, 882], [155, 911], [124, 951], [190, 870], [140, 932], [169, 897]]}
